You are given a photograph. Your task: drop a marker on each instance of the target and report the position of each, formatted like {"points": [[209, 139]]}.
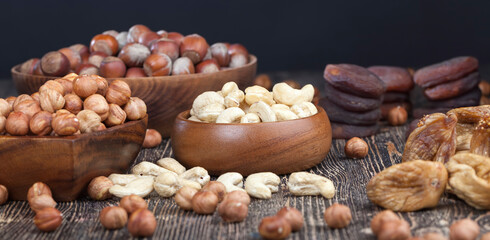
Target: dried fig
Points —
{"points": [[434, 139], [354, 79], [395, 78], [471, 114], [464, 133], [339, 115], [408, 186], [470, 178], [351, 102], [346, 131], [453, 88], [480, 141], [446, 71], [421, 112]]}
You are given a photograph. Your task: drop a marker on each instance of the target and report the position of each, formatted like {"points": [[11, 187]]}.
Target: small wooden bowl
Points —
{"points": [[68, 164], [279, 147], [166, 96]]}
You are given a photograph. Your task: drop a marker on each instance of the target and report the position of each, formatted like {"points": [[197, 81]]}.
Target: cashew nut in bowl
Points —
{"points": [[172, 165], [167, 184], [230, 115], [141, 187], [262, 185], [304, 183], [250, 118], [228, 88], [264, 111], [304, 109], [283, 112], [245, 107], [257, 93], [210, 112], [147, 168], [283, 93], [194, 118], [196, 174], [234, 99], [232, 181], [206, 98], [280, 106]]}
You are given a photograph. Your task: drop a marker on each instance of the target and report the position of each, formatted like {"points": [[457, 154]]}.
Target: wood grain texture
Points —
{"points": [[164, 96], [67, 164], [287, 146]]}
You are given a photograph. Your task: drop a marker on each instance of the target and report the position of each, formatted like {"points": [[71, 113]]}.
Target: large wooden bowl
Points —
{"points": [[279, 147], [67, 164], [166, 96]]}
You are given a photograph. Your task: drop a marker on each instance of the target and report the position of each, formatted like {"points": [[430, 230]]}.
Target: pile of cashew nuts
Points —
{"points": [[168, 176], [256, 104]]}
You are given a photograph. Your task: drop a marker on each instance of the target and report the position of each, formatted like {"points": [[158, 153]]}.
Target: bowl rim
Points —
{"points": [[252, 61], [79, 136], [181, 115]]}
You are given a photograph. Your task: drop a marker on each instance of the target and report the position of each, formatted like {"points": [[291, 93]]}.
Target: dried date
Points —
{"points": [[446, 71], [354, 79]]}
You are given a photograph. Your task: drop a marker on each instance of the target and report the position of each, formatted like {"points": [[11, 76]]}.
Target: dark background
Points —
{"points": [[285, 35]]}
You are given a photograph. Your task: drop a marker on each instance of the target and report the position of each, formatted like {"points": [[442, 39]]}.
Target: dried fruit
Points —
{"points": [[471, 98], [355, 80], [434, 139], [337, 114], [395, 78], [340, 130], [389, 97], [446, 71], [471, 114], [408, 186], [480, 141], [453, 88], [350, 102]]}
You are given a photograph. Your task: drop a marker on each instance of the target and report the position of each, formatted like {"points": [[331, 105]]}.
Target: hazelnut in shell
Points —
{"points": [[48, 219], [40, 123], [293, 216], [98, 104], [112, 67], [104, 43], [65, 124], [204, 202], [142, 223], [356, 148], [84, 86], [132, 203], [96, 58], [238, 60], [17, 124], [177, 37], [233, 211], [219, 51], [135, 108], [207, 66], [135, 32], [274, 227], [122, 38], [88, 69], [337, 216], [55, 64], [194, 47], [182, 66], [117, 116], [135, 72], [157, 64], [166, 46], [28, 66], [73, 103], [152, 138], [82, 50], [237, 48], [147, 38], [134, 54], [183, 197], [98, 188], [113, 217], [73, 57], [118, 93], [4, 194]]}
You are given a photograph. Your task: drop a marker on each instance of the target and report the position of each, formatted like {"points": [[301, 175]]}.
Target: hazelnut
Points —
{"points": [[183, 197], [274, 227], [38, 189], [396, 229], [134, 54], [182, 66], [42, 201], [142, 223], [293, 84], [484, 88], [28, 66], [73, 103], [89, 121], [48, 219], [152, 138], [356, 148], [157, 64], [51, 100], [117, 116], [55, 64], [264, 81], [19, 99], [113, 217], [40, 123], [194, 47], [5, 108], [98, 104], [337, 216], [238, 195], [135, 72], [122, 39], [29, 107], [147, 38], [233, 211], [113, 33], [35, 97], [237, 48], [135, 108], [67, 85], [217, 188], [177, 37], [397, 116], [3, 121], [11, 101], [82, 50], [437, 236], [293, 216], [485, 236], [96, 58], [112, 67], [70, 76], [98, 188], [465, 229], [17, 124], [73, 57], [207, 66], [166, 46], [104, 43], [118, 93], [204, 202], [238, 60], [88, 69], [132, 203], [219, 51], [65, 124], [102, 84], [85, 85], [162, 33], [135, 32], [4, 194]]}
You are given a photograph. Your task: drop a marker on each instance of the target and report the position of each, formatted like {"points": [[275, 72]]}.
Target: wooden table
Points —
{"points": [[350, 176]]}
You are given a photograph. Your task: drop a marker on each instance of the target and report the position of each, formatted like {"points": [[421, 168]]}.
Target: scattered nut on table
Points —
{"points": [[217, 188], [293, 216], [48, 219], [239, 196], [152, 138], [381, 218], [113, 217], [4, 194], [196, 174], [337, 216], [262, 185], [304, 183], [204, 202], [233, 211], [148, 169], [132, 203], [465, 229], [142, 223], [232, 181], [167, 184], [183, 197], [356, 148], [274, 227], [172, 165], [98, 188], [141, 187]]}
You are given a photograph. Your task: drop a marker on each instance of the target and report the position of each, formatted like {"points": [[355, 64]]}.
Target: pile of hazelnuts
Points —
{"points": [[139, 52], [70, 105]]}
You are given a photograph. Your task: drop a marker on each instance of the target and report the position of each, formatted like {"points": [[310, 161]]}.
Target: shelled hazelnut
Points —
{"points": [[55, 64], [132, 203], [112, 67], [4, 194], [152, 138], [274, 227], [40, 123], [35, 97], [397, 116], [73, 103], [337, 216], [142, 223], [51, 100], [356, 148], [135, 108], [118, 93], [5, 108], [11, 101], [67, 85], [20, 99], [204, 202], [264, 81], [117, 116], [84, 86], [183, 197], [53, 85], [98, 188], [89, 121], [465, 229], [37, 189], [113, 217], [48, 219], [28, 107], [41, 202], [238, 195], [98, 104], [217, 188], [3, 121], [293, 216], [17, 124], [65, 124], [233, 211]]}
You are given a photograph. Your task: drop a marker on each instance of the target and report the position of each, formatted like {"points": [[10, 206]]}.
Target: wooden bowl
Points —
{"points": [[166, 96], [68, 164], [279, 147]]}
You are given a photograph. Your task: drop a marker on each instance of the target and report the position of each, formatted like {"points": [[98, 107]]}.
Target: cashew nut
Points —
{"points": [[264, 111], [194, 118], [172, 165], [304, 183], [304, 109], [250, 118], [167, 184], [232, 181], [257, 93], [234, 99], [283, 112], [262, 185], [196, 174], [228, 88], [140, 187], [283, 93], [207, 106], [210, 112], [124, 179], [230, 115], [245, 107], [147, 168]]}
